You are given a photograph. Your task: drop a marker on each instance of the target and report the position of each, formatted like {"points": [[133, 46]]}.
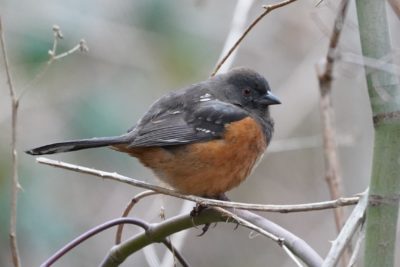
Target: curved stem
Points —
{"points": [[91, 233], [128, 208], [160, 231]]}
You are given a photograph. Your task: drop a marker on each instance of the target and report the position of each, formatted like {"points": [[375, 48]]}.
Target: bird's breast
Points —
{"points": [[208, 168]]}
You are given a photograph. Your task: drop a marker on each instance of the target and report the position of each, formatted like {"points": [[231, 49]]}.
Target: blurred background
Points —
{"points": [[140, 50]]}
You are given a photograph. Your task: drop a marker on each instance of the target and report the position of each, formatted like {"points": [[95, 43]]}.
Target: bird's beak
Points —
{"points": [[269, 99]]}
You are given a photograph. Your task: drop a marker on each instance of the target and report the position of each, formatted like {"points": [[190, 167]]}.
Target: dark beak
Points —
{"points": [[269, 99]]}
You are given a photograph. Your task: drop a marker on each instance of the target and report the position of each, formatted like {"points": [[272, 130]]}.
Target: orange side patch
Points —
{"points": [[208, 168]]}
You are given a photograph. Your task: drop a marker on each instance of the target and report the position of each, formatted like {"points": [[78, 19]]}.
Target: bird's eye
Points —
{"points": [[246, 92]]}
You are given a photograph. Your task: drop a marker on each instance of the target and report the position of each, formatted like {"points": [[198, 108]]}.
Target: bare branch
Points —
{"points": [[395, 4], [324, 71], [238, 25], [383, 64], [318, 3], [128, 208], [15, 100], [15, 178], [355, 220], [181, 222], [247, 224], [100, 228], [292, 256], [82, 47], [357, 247], [210, 202], [57, 35], [175, 252], [304, 142], [90, 233], [268, 9]]}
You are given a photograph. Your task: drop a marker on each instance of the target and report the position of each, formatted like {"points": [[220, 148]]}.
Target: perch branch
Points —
{"points": [[178, 223], [210, 202]]}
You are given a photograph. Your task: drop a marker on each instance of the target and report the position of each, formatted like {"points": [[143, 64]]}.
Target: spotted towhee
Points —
{"points": [[202, 140]]}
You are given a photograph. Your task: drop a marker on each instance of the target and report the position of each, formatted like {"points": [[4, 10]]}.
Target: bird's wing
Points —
{"points": [[205, 121]]}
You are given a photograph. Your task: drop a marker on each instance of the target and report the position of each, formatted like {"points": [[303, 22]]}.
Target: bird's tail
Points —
{"points": [[79, 144]]}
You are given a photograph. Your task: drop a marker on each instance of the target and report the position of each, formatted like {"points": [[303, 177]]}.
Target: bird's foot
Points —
{"points": [[200, 207]]}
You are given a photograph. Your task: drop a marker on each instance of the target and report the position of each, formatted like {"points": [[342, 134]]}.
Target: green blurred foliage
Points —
{"points": [[179, 51]]}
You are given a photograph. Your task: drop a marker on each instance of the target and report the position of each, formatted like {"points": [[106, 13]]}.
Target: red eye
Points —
{"points": [[246, 92]]}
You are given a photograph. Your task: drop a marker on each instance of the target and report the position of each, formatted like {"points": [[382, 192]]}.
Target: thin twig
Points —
{"points": [[176, 253], [312, 141], [128, 209], [343, 239], [318, 3], [15, 178], [100, 228], [268, 9], [292, 256], [395, 4], [238, 25], [247, 224], [53, 56], [94, 231], [179, 238], [279, 240], [373, 64], [210, 202], [57, 35], [324, 71], [357, 247], [79, 47]]}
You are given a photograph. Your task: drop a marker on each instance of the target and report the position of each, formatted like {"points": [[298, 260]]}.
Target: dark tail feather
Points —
{"points": [[78, 145]]}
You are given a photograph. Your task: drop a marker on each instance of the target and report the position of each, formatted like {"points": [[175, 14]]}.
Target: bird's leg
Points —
{"points": [[225, 198], [200, 207]]}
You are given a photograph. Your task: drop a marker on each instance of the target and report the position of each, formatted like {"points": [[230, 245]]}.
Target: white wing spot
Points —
{"points": [[205, 130], [173, 140], [205, 97], [157, 121], [174, 112]]}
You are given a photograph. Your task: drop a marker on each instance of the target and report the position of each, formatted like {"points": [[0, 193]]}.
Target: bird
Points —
{"points": [[202, 140]]}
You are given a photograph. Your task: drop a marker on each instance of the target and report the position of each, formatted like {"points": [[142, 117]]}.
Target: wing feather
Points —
{"points": [[205, 121]]}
